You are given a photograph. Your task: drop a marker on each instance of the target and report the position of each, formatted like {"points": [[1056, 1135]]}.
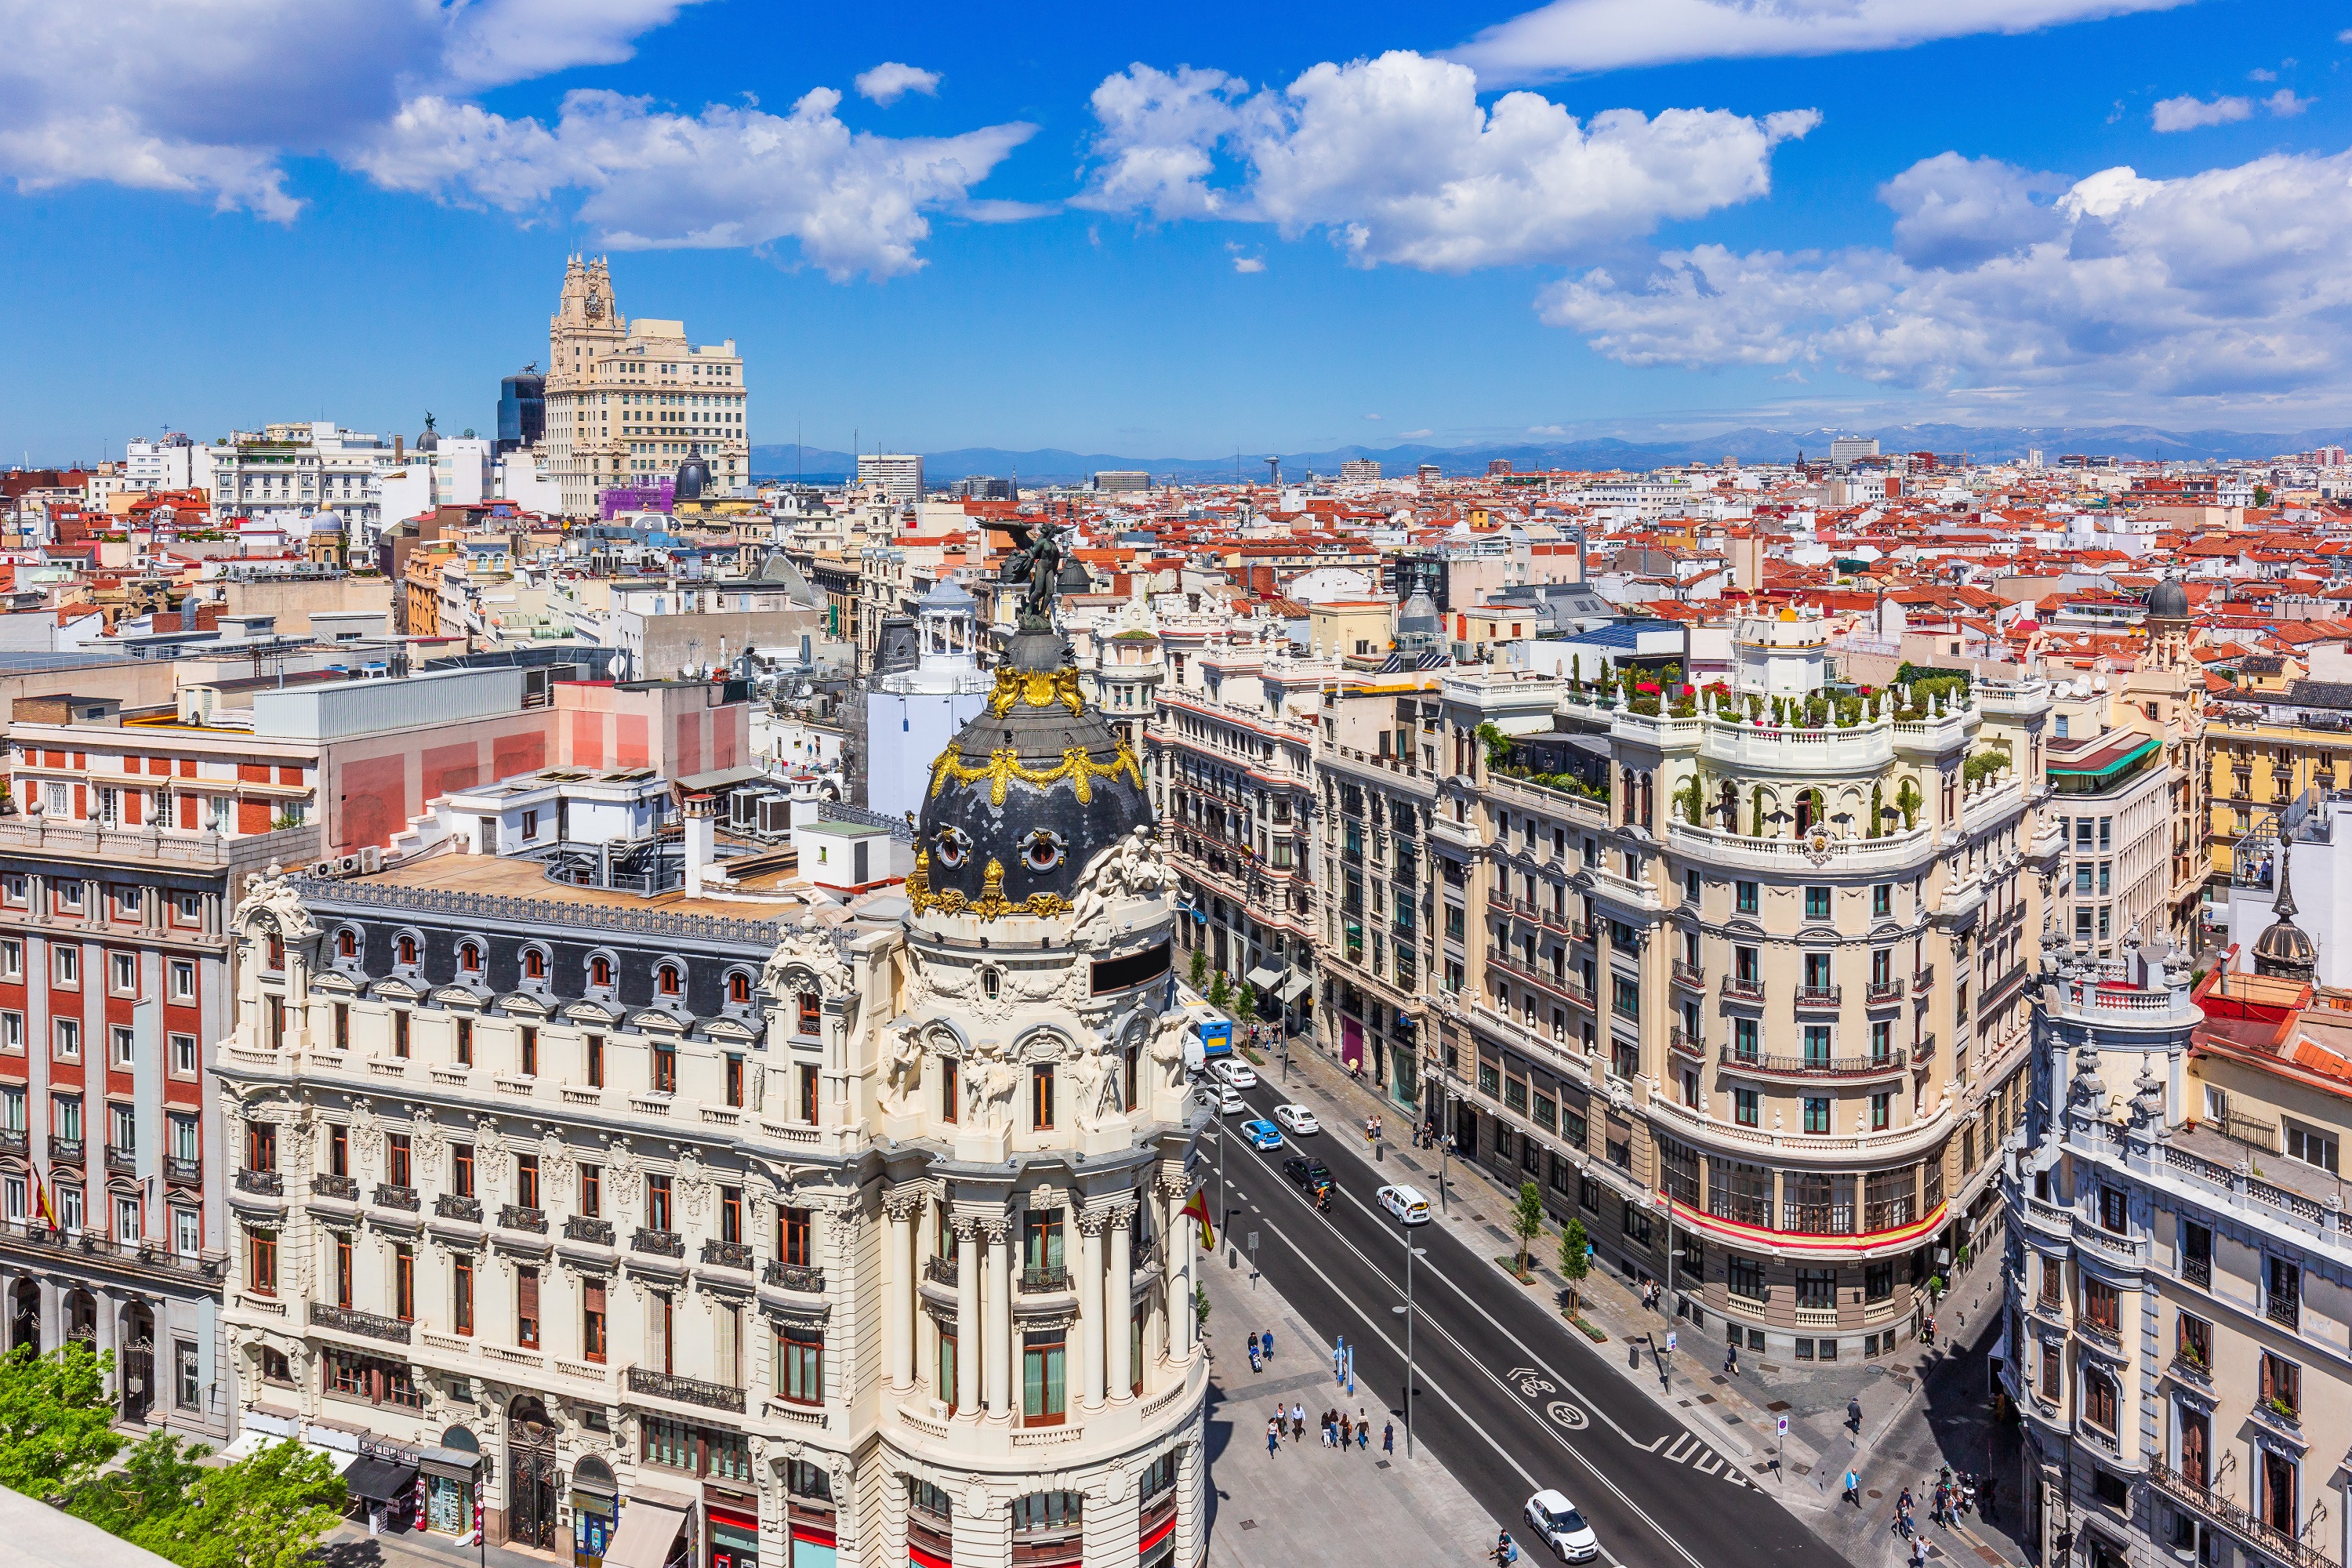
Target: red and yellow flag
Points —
{"points": [[1198, 1209], [41, 1199]]}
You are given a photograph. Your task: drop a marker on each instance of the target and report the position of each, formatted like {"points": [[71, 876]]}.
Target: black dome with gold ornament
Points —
{"points": [[1026, 795]]}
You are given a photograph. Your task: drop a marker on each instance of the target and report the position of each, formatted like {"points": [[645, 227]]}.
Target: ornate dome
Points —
{"points": [[1027, 794], [693, 478], [2169, 601], [2285, 949]]}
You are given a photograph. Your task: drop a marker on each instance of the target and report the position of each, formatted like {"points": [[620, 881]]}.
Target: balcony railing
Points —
{"points": [[388, 1197], [1690, 974], [2233, 1517], [449, 1206], [2195, 1269], [1883, 992], [13, 1141], [1923, 977], [515, 1217], [1817, 1219], [1045, 1279], [661, 1243], [1736, 989], [1812, 997], [941, 1270], [326, 1184], [263, 1184], [802, 1278], [1813, 1067], [350, 1320], [33, 1234], [2283, 1308], [684, 1389], [580, 1227], [120, 1161], [727, 1254], [67, 1151], [175, 1169]]}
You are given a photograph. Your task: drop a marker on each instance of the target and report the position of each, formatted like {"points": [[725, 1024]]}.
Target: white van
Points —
{"points": [[1405, 1203]]}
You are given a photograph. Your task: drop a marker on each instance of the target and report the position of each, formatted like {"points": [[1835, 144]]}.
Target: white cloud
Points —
{"points": [[1396, 160], [2259, 73], [1570, 36], [2221, 284], [1415, 434], [889, 83], [1547, 430], [1956, 211], [727, 177], [1371, 416], [2186, 113], [211, 100], [1246, 264]]}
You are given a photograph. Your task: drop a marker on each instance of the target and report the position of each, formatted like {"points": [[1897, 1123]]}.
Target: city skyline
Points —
{"points": [[2116, 211]]}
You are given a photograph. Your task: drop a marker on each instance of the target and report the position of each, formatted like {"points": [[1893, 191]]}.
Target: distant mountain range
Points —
{"points": [[1748, 443]]}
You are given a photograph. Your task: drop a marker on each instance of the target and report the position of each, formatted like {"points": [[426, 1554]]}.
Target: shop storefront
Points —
{"points": [[450, 1477], [381, 1492], [732, 1527], [595, 1511]]}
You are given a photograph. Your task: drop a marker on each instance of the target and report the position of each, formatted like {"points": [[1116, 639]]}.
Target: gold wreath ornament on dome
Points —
{"points": [[1036, 688], [991, 905], [1005, 764]]}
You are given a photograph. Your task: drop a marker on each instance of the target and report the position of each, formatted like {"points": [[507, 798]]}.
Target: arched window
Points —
{"points": [[600, 971], [809, 1007], [669, 981], [346, 944], [469, 957], [534, 964], [277, 949], [738, 988], [408, 950]]}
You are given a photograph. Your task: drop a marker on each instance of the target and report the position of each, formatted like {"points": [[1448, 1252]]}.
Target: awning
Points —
{"points": [[448, 1464], [251, 1441], [648, 1532], [1266, 978], [720, 778], [1295, 987], [380, 1480]]}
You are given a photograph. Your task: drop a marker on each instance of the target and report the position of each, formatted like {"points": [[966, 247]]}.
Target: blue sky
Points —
{"points": [[1174, 233]]}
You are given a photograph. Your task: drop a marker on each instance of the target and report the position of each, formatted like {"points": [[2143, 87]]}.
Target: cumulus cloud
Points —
{"points": [[1955, 211], [2185, 113], [1397, 160], [2220, 283], [209, 101], [727, 177], [1569, 36], [889, 83]]}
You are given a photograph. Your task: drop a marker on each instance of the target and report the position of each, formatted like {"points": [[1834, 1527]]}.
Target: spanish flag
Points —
{"points": [[41, 1199], [1198, 1209]]}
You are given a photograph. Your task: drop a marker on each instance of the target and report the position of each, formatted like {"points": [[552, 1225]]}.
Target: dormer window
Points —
{"points": [[809, 1007], [739, 989], [600, 972], [534, 965], [469, 957], [669, 981], [346, 944], [408, 951]]}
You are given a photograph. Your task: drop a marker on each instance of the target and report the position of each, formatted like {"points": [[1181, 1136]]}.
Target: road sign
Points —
{"points": [[1780, 1427], [1670, 1339]]}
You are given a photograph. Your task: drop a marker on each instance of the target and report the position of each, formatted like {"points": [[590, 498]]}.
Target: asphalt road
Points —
{"points": [[1505, 1394]]}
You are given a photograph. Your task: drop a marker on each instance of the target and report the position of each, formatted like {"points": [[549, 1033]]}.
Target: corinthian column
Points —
{"points": [[1090, 1307], [996, 1333], [899, 1210], [1118, 1321], [968, 1340]]}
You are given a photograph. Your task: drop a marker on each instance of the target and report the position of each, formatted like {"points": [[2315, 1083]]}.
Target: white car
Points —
{"points": [[1229, 1100], [1405, 1203], [1297, 1119], [1555, 1521], [1235, 1071]]}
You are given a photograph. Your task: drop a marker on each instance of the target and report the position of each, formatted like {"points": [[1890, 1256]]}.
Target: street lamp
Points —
{"points": [[1411, 1252]]}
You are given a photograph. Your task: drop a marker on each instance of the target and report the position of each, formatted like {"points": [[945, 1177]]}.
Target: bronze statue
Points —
{"points": [[1039, 562]]}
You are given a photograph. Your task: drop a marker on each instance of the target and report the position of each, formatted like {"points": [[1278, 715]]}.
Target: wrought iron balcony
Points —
{"points": [[941, 1270], [1893, 1061], [580, 1227], [1748, 990], [2232, 1517], [13, 1141], [686, 1390], [515, 1217], [661, 1243], [265, 1183], [1812, 997], [450, 1205], [388, 1197], [349, 1320], [811, 1281], [1045, 1280], [68, 1151], [178, 1170], [1883, 992], [727, 1254], [326, 1185], [120, 1161], [1690, 974]]}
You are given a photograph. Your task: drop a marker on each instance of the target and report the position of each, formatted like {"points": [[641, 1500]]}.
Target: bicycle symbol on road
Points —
{"points": [[1534, 1385]]}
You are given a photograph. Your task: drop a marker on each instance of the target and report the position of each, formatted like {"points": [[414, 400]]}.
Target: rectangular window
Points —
{"points": [[1744, 896], [734, 1080], [12, 1032], [2100, 1302], [69, 1034], [949, 1088], [664, 1058], [657, 1202], [592, 1320], [125, 1045], [2311, 1147], [187, 1377], [260, 1146], [261, 1262], [2282, 1385], [1882, 901], [403, 1283], [1817, 1113], [461, 1295], [1744, 1107], [183, 980], [395, 1160], [1817, 903], [591, 1191], [799, 1366], [124, 973], [399, 1032], [527, 1307], [595, 1062], [808, 1091], [461, 1169], [2194, 1344], [1044, 1384], [67, 964], [1041, 1098]]}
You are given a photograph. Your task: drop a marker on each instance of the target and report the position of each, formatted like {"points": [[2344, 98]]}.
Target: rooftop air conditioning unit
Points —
{"points": [[371, 857], [322, 867], [347, 864]]}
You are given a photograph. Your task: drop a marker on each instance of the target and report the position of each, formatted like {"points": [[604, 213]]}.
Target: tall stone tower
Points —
{"points": [[586, 326]]}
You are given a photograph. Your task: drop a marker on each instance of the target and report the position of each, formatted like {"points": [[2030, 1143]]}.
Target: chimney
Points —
{"points": [[701, 830], [399, 448]]}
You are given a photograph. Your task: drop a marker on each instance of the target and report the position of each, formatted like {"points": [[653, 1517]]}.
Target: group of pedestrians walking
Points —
{"points": [[1338, 1429]]}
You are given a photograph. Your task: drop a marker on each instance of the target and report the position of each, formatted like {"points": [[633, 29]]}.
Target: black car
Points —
{"points": [[1312, 1175]]}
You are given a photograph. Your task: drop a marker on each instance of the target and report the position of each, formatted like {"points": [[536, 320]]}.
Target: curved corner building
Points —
{"points": [[649, 1201]]}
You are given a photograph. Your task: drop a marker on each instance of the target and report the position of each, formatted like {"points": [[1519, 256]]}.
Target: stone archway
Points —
{"points": [[81, 1317], [135, 1365], [530, 1475], [25, 1316]]}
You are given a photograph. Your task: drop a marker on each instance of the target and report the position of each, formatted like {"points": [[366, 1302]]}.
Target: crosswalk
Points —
{"points": [[1689, 1448]]}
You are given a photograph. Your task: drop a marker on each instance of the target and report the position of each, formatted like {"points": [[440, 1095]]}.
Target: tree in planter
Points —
{"points": [[1526, 1221], [54, 1418], [1200, 967], [1219, 992], [1201, 1308], [1573, 1263], [1245, 1003]]}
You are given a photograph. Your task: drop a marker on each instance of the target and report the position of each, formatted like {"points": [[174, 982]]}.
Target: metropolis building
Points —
{"points": [[665, 1208]]}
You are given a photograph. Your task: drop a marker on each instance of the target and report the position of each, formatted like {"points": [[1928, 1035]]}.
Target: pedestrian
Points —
{"points": [[1274, 1436], [1388, 1436], [1363, 1434], [1852, 1487], [1268, 1338], [1853, 1416], [1731, 1358], [1347, 1432], [1297, 1422]]}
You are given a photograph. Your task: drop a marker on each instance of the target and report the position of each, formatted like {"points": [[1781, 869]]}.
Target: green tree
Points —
{"points": [[1527, 1219], [150, 1486], [1573, 1264], [2262, 495], [267, 1511], [54, 1416], [1219, 992], [1245, 1002], [1200, 967]]}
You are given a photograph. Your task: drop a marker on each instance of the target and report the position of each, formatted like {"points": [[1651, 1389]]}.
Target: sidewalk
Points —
{"points": [[350, 1546], [1922, 1408], [1309, 1504]]}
